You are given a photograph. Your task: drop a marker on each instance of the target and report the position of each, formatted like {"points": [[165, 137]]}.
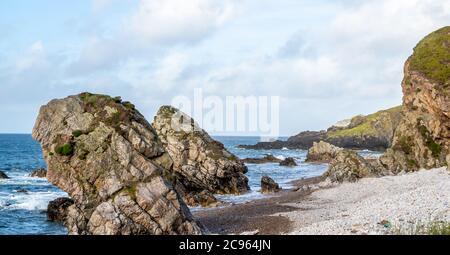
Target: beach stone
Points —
{"points": [[322, 152], [289, 162], [422, 139], [39, 173], [108, 158], [268, 185], [3, 175], [57, 209], [200, 163]]}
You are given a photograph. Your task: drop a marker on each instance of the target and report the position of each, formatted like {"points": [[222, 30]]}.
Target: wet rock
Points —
{"points": [[265, 160], [39, 173], [268, 185], [200, 163], [3, 175], [57, 209], [288, 162], [108, 158], [24, 191], [322, 152]]}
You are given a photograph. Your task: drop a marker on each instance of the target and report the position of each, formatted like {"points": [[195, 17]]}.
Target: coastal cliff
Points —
{"points": [[373, 132], [108, 158], [422, 137]]}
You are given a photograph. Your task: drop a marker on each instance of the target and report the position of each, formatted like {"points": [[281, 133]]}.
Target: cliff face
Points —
{"points": [[200, 163], [374, 132], [422, 138], [108, 158]]}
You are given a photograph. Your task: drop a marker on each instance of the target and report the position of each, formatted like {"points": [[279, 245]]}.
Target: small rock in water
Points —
{"points": [[268, 185], [39, 173], [22, 191], [3, 175], [290, 162]]}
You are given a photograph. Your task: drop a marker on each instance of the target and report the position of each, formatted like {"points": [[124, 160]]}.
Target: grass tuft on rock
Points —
{"points": [[432, 56], [65, 150]]}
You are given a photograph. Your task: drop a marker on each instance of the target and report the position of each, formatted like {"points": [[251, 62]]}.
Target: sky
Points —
{"points": [[326, 60]]}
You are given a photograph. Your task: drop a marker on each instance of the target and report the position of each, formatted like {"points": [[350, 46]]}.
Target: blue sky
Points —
{"points": [[328, 60]]}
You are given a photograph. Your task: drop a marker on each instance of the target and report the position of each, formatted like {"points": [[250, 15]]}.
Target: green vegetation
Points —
{"points": [[77, 133], [405, 144], [364, 125], [65, 150], [433, 229], [131, 191], [432, 56], [434, 147], [129, 105]]}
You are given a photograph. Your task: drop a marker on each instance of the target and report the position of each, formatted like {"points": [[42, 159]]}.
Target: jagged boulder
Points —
{"points": [[288, 162], [108, 158], [199, 162], [348, 166], [268, 185], [39, 173], [422, 139], [57, 209], [322, 152], [3, 175]]}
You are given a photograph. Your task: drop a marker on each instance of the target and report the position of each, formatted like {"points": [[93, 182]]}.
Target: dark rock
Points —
{"points": [[39, 173], [22, 191], [3, 175], [289, 162], [268, 185], [57, 209], [265, 160]]}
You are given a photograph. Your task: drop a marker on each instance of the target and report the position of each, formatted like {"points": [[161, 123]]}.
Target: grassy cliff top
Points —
{"points": [[432, 56], [364, 126]]}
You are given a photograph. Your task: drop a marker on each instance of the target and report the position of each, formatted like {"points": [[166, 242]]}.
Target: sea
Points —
{"points": [[24, 200]]}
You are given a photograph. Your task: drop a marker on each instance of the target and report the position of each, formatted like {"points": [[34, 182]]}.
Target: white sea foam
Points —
{"points": [[34, 201]]}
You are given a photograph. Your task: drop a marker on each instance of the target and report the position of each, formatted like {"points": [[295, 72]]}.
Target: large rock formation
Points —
{"points": [[374, 132], [322, 152], [108, 158], [265, 160], [422, 138], [348, 166], [200, 163]]}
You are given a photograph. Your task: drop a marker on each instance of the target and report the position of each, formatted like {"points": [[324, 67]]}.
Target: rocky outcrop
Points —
{"points": [[265, 160], [373, 132], [268, 185], [57, 209], [422, 139], [200, 163], [108, 158], [348, 166], [39, 173], [3, 175], [322, 152], [289, 162]]}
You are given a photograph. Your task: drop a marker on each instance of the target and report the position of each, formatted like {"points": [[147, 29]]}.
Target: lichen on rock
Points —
{"points": [[114, 171], [200, 162]]}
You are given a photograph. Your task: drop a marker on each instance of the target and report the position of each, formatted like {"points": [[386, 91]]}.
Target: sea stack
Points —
{"points": [[422, 139], [108, 158], [200, 163]]}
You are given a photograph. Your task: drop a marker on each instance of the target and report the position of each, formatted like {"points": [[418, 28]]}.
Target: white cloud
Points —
{"points": [[178, 20]]}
